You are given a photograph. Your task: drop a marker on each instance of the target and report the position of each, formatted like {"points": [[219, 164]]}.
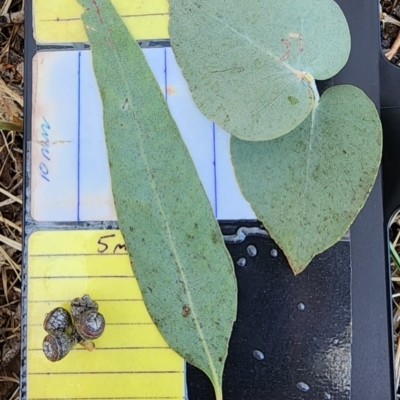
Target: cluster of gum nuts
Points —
{"points": [[65, 332]]}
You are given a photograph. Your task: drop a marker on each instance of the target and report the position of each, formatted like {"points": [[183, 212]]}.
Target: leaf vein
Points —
{"points": [[307, 178], [165, 220], [249, 40]]}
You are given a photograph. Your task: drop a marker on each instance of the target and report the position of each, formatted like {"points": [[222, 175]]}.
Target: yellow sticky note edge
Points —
{"points": [[59, 21], [131, 359]]}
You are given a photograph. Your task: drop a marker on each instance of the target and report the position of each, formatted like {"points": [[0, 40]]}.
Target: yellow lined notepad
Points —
{"points": [[59, 21], [131, 360]]}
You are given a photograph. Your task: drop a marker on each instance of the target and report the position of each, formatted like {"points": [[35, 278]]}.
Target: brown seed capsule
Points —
{"points": [[90, 325], [57, 345], [75, 336], [58, 319], [87, 344], [82, 304]]}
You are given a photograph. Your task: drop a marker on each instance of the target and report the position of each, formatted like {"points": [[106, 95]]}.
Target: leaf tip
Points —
{"points": [[297, 267]]}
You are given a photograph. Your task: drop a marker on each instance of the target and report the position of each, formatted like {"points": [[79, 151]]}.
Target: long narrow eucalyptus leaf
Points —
{"points": [[184, 270]]}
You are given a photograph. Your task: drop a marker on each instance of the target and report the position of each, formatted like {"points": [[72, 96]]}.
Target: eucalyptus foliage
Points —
{"points": [[184, 271], [308, 186], [251, 65], [306, 164]]}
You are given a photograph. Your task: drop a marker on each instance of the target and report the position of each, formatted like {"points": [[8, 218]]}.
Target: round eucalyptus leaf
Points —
{"points": [[250, 65], [308, 186]]}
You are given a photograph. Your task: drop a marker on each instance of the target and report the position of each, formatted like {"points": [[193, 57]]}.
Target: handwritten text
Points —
{"points": [[106, 242], [45, 150]]}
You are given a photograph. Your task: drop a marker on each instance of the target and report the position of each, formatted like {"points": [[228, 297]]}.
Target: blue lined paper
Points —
{"points": [[79, 186]]}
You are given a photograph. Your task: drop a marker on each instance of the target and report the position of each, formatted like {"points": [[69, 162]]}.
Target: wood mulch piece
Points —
{"points": [[11, 170]]}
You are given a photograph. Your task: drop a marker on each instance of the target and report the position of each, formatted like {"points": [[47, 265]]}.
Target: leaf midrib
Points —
{"points": [[262, 50], [166, 222], [307, 178]]}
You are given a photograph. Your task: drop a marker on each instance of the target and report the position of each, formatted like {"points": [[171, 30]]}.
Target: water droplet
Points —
{"points": [[335, 341], [274, 253], [327, 396], [302, 386], [241, 262], [258, 355], [301, 306], [252, 250]]}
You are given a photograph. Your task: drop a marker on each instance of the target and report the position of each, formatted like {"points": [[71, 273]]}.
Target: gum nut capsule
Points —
{"points": [[87, 344], [58, 319], [57, 345], [90, 325], [81, 304], [75, 336]]}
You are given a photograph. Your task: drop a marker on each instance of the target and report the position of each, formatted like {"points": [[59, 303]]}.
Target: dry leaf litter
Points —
{"points": [[390, 29], [11, 168]]}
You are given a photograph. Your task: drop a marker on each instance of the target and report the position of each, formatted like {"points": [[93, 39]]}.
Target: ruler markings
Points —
{"points": [[206, 142], [108, 398], [133, 352], [68, 300], [83, 277], [106, 372], [110, 323], [79, 255], [115, 348], [78, 200]]}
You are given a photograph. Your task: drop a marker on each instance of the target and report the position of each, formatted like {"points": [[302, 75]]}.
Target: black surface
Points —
{"points": [[391, 159], [390, 114], [29, 52], [372, 349], [302, 326]]}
